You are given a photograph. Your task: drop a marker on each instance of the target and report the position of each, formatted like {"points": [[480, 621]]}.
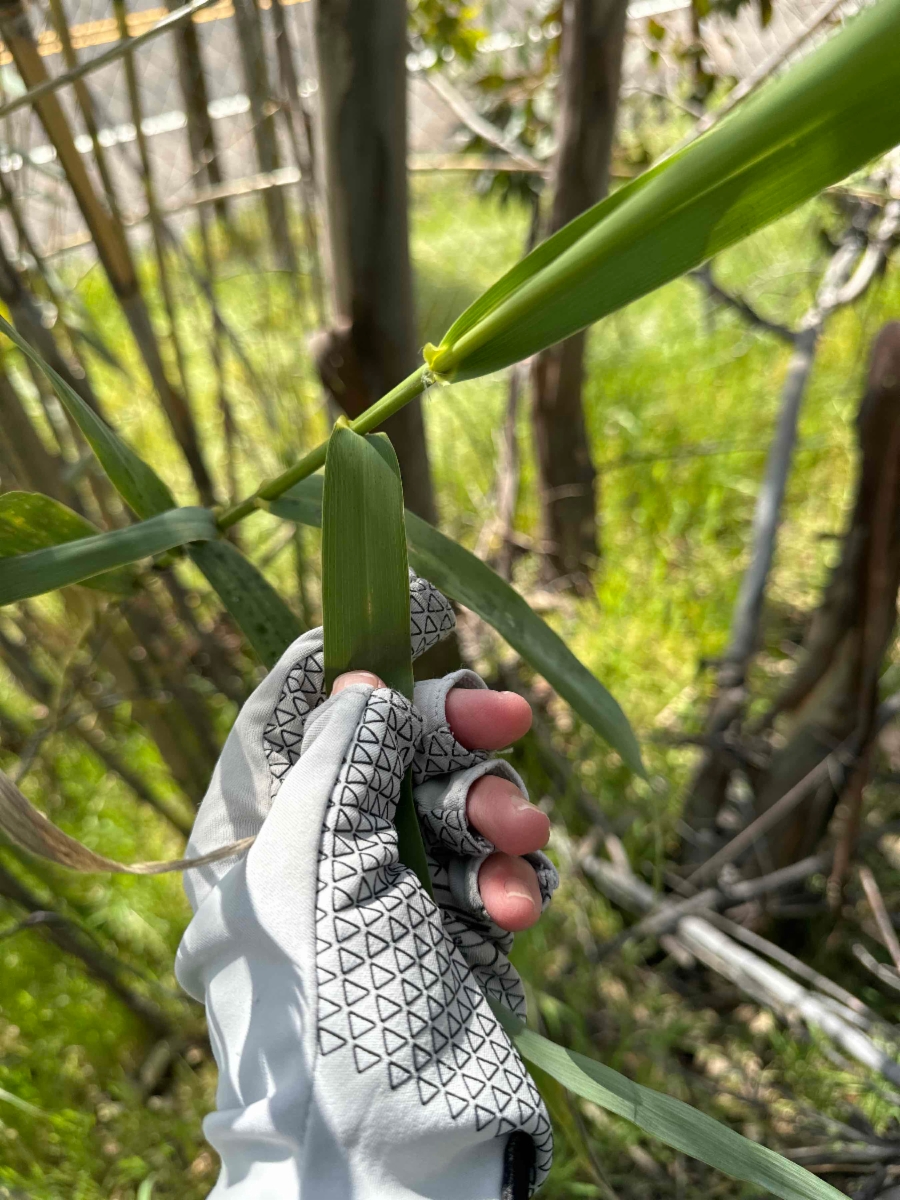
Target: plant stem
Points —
{"points": [[414, 385]]}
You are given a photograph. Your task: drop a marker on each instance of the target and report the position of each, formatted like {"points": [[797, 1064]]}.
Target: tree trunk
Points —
{"points": [[590, 70], [361, 50], [834, 692]]}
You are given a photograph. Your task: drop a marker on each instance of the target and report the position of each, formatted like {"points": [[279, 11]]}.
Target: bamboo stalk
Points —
{"points": [[108, 236], [46, 86], [162, 266], [259, 92], [298, 126], [201, 134], [86, 105]]}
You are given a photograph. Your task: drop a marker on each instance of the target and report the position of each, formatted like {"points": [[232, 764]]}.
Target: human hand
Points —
{"points": [[349, 1014], [495, 806]]}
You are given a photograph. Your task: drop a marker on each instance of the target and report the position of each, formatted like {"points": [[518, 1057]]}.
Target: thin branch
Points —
{"points": [[780, 809], [880, 913], [754, 976], [473, 120], [704, 276], [112, 55], [666, 917], [879, 970]]}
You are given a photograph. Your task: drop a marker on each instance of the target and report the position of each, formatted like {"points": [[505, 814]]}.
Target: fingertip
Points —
{"points": [[509, 891], [500, 812], [486, 720], [350, 677]]}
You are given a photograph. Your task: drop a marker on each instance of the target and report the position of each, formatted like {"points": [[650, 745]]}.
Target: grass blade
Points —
{"points": [[463, 577], [365, 586], [32, 521], [261, 614], [135, 481], [57, 566], [823, 119], [664, 1117]]}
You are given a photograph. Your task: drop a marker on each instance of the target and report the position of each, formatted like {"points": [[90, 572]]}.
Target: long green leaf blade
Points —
{"points": [[365, 586], [463, 577], [73, 562], [823, 119], [664, 1117], [261, 614], [31, 521], [135, 481]]}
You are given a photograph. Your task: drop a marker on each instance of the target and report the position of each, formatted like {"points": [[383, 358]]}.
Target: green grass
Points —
{"points": [[680, 404]]}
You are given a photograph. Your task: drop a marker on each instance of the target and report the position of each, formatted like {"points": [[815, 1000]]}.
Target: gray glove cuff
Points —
{"points": [[438, 752]]}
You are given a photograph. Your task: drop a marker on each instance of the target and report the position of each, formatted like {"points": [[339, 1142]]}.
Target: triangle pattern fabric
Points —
{"points": [[398, 1008]]}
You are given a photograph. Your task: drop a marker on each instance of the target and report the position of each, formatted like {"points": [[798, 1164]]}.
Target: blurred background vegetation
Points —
{"points": [[113, 708]]}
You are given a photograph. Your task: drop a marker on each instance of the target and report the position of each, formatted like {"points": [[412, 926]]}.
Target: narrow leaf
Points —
{"points": [[31, 521], [664, 1117], [73, 562], [824, 118], [365, 577], [135, 481], [261, 614], [365, 586], [463, 577], [31, 1109]]}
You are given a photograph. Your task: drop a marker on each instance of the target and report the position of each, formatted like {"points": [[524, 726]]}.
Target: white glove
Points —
{"points": [[358, 1057]]}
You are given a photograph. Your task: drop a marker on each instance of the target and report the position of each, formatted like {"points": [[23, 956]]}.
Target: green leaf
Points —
{"points": [[45, 570], [824, 118], [262, 615], [135, 481], [365, 586], [664, 1117], [31, 521], [463, 577]]}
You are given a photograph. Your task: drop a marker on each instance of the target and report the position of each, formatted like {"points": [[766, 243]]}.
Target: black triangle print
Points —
{"points": [[393, 1042], [421, 1056], [388, 1009], [328, 1008], [365, 1059], [342, 870], [405, 961], [381, 976], [417, 1025], [354, 993], [456, 1104], [345, 929], [474, 1085], [460, 1056], [329, 1042], [349, 960], [446, 1073], [483, 1117], [397, 1075], [359, 1025], [411, 993], [375, 945], [489, 1068], [427, 1090]]}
